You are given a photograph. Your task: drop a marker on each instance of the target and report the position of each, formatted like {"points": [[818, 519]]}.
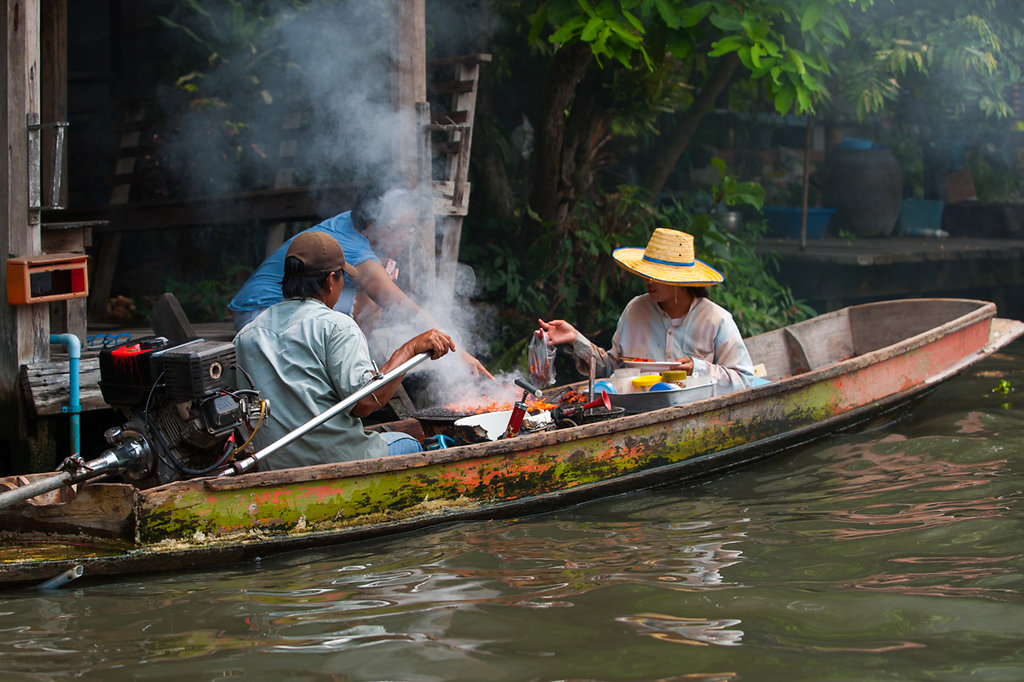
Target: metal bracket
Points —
{"points": [[35, 170]]}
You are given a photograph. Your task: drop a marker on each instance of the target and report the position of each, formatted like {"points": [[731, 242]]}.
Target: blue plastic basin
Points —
{"points": [[784, 221]]}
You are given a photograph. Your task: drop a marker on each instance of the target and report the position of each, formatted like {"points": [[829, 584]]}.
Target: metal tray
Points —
{"points": [[697, 388]]}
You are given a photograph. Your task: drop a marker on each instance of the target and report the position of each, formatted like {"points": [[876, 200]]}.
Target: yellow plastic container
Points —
{"points": [[642, 383]]}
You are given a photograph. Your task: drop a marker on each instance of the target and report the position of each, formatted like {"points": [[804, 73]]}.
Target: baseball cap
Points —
{"points": [[319, 252]]}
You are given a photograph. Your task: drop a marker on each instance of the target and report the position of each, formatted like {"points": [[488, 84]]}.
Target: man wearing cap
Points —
{"points": [[674, 321], [304, 357]]}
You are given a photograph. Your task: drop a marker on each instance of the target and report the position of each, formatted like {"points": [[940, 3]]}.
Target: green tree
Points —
{"points": [[664, 57], [956, 60], [942, 73]]}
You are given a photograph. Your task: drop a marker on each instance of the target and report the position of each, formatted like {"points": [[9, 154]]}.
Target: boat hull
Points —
{"points": [[217, 520]]}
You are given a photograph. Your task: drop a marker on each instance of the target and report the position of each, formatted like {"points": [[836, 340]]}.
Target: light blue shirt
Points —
{"points": [[707, 333], [263, 288], [304, 358]]}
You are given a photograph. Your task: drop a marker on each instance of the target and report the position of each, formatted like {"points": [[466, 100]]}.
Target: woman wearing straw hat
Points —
{"points": [[674, 321]]}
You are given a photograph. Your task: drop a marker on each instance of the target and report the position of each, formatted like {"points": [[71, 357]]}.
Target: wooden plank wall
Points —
{"points": [[46, 385], [24, 330]]}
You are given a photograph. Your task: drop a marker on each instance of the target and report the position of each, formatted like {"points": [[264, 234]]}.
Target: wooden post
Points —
{"points": [[285, 173], [24, 329], [423, 253], [410, 84], [54, 84], [407, 144], [66, 316], [808, 143]]}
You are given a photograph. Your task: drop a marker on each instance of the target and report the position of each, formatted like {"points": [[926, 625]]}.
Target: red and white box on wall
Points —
{"points": [[47, 277]]}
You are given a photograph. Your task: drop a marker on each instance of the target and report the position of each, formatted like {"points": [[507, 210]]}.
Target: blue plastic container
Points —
{"points": [[917, 215], [784, 221], [857, 143], [663, 386]]}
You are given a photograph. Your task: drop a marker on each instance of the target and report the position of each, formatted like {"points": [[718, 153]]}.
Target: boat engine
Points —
{"points": [[184, 419]]}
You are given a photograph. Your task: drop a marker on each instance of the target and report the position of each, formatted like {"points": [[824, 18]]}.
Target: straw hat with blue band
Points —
{"points": [[668, 258]]}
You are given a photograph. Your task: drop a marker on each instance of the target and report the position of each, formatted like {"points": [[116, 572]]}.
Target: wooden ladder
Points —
{"points": [[131, 151], [451, 128]]}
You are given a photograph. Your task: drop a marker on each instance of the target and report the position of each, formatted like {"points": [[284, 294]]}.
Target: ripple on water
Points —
{"points": [[893, 554]]}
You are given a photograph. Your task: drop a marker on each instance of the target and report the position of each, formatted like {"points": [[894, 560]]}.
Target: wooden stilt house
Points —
{"points": [[41, 221]]}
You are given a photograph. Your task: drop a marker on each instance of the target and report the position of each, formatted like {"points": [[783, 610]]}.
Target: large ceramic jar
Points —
{"points": [[865, 187]]}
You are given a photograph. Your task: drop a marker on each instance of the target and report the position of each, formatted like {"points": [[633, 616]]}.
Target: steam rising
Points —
{"points": [[333, 64]]}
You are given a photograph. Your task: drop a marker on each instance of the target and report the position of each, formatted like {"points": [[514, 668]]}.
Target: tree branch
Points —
{"points": [[567, 71], [672, 145]]}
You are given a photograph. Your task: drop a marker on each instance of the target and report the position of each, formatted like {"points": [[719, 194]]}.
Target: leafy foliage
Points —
{"points": [[957, 59], [997, 179], [236, 38], [222, 57], [207, 300], [784, 44]]}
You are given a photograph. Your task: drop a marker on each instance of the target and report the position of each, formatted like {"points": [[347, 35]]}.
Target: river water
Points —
{"points": [[894, 554]]}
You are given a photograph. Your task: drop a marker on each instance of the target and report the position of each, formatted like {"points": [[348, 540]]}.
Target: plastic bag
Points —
{"points": [[542, 361]]}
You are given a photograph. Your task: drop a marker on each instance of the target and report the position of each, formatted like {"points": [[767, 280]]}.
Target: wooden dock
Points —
{"points": [[831, 273]]}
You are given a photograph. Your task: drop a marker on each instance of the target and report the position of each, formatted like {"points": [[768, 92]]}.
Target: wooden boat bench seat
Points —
{"points": [[804, 347]]}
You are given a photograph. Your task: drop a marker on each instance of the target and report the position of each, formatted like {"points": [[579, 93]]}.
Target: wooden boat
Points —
{"points": [[832, 372]]}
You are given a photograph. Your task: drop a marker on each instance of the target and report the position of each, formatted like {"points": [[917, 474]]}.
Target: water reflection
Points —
{"points": [[693, 631], [948, 576], [934, 490], [888, 555]]}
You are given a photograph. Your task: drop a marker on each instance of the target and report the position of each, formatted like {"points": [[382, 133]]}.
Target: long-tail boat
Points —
{"points": [[836, 371]]}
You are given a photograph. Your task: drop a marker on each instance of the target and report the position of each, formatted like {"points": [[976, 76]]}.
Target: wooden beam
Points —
{"points": [[24, 330], [285, 177], [54, 96], [410, 85], [66, 316], [287, 204], [411, 149]]}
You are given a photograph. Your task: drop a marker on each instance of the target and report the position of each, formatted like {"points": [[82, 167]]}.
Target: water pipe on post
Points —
{"points": [[74, 408]]}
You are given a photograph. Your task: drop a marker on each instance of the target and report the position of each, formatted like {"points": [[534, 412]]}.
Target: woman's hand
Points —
{"points": [[684, 362], [558, 331]]}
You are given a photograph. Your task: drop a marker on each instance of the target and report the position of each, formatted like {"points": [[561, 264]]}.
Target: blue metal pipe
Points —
{"points": [[75, 407]]}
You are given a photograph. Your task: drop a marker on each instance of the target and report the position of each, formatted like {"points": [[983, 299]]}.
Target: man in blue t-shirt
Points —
{"points": [[263, 288], [393, 214]]}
